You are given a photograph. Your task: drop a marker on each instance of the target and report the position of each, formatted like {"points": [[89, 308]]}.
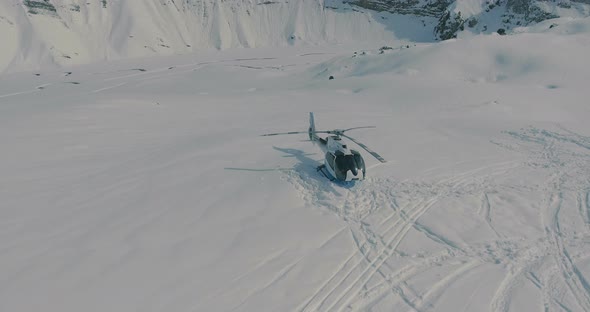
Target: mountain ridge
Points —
{"points": [[44, 33]]}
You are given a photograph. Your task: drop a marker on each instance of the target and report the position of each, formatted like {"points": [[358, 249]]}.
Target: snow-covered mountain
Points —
{"points": [[79, 31], [37, 33]]}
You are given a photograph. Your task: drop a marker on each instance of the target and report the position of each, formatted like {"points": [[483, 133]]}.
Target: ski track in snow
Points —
{"points": [[376, 242], [37, 89], [486, 212], [145, 75], [553, 151], [279, 276]]}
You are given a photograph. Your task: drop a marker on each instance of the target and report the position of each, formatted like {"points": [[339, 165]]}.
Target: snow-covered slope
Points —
{"points": [[143, 185], [79, 31], [41, 33]]}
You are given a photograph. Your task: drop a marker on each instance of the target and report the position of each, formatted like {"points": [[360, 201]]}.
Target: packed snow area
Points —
{"points": [[144, 185]]}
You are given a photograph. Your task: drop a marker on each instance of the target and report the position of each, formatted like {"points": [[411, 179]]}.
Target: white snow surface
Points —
{"points": [[143, 185]]}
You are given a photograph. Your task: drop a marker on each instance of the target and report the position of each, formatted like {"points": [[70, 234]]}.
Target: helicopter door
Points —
{"points": [[360, 162], [330, 164], [330, 160]]}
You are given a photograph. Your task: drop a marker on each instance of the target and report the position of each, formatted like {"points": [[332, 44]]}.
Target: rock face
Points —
{"points": [[519, 6], [61, 32], [454, 15], [416, 7], [437, 7]]}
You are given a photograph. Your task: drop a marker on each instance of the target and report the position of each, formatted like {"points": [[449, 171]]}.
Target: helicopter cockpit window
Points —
{"points": [[343, 164], [359, 160]]}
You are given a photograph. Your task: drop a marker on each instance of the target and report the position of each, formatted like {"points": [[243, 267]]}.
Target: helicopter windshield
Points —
{"points": [[344, 163]]}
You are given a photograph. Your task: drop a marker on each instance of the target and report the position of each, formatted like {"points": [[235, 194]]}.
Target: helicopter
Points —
{"points": [[340, 162]]}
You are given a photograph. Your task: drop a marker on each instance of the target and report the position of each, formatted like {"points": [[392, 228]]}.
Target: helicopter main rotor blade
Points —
{"points": [[341, 131], [292, 132], [365, 127], [379, 158]]}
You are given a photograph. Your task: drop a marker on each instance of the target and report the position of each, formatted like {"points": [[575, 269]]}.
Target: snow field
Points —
{"points": [[144, 185]]}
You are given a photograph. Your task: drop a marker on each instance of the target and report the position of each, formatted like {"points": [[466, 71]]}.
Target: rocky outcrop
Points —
{"points": [[529, 10], [449, 25], [434, 8], [451, 19], [40, 7]]}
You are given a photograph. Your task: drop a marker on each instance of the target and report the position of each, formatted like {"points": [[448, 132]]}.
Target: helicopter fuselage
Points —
{"points": [[340, 162]]}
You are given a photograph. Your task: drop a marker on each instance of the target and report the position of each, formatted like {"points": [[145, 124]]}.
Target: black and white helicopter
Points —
{"points": [[340, 162]]}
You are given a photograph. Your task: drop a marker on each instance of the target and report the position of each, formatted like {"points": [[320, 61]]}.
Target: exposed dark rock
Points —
{"points": [[433, 8], [449, 25], [38, 6], [531, 12]]}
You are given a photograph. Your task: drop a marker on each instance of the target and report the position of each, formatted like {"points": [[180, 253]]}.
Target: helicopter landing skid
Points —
{"points": [[321, 168]]}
